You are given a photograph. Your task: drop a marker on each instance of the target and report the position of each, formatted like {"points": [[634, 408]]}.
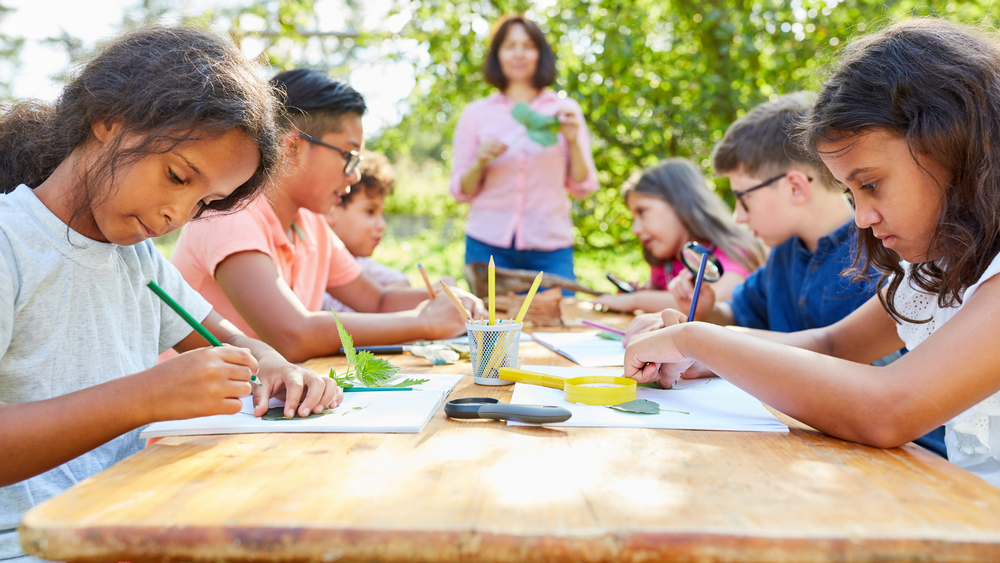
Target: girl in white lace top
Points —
{"points": [[909, 122]]}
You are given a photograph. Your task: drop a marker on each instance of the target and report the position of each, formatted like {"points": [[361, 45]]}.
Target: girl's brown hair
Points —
{"points": [[166, 85], [545, 72], [701, 212], [936, 84]]}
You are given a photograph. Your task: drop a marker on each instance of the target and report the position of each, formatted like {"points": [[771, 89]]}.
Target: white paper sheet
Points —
{"points": [[380, 412], [715, 405], [584, 348]]}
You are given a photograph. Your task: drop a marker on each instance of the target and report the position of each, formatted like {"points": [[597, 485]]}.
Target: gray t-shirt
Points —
{"points": [[75, 313]]}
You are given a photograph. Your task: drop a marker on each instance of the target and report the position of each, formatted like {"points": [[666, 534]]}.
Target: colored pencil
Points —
{"points": [[605, 328], [527, 300], [458, 304], [697, 286], [198, 327], [427, 281], [492, 288], [382, 349]]}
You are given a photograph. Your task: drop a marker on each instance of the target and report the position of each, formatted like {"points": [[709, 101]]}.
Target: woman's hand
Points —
{"points": [[489, 149], [569, 125], [305, 391]]}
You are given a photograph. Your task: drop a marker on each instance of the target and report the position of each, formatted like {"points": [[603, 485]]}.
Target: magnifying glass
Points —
{"points": [[701, 262], [588, 389], [490, 408]]}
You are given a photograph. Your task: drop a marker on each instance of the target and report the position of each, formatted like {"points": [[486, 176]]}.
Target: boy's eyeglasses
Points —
{"points": [[351, 158], [764, 184]]}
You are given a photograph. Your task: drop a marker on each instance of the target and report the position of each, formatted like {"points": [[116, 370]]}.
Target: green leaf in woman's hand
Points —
{"points": [[542, 129]]}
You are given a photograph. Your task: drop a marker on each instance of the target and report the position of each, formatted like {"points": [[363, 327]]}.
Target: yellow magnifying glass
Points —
{"points": [[602, 390]]}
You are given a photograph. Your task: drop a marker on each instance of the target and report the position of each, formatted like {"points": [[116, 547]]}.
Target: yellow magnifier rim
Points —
{"points": [[579, 390]]}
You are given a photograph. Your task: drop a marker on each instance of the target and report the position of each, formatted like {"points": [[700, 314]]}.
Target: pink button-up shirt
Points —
{"points": [[521, 195]]}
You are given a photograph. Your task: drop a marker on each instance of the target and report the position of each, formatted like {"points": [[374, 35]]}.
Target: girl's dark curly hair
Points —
{"points": [[936, 84], [166, 85]]}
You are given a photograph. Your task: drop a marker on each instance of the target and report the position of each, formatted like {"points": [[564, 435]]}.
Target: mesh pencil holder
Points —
{"points": [[492, 347]]}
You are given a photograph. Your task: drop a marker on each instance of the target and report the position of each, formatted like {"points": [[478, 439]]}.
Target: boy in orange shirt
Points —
{"points": [[266, 268]]}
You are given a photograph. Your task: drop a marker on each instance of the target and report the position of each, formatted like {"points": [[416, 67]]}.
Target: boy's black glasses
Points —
{"points": [[351, 158], [764, 184]]}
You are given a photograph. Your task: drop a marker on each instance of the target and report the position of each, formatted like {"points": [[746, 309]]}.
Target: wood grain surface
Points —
{"points": [[480, 491]]}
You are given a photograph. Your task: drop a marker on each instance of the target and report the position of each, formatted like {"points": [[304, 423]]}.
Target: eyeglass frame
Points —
{"points": [[741, 194], [352, 159]]}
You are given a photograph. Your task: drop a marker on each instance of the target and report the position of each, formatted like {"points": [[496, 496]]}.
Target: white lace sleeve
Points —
{"points": [[917, 305]]}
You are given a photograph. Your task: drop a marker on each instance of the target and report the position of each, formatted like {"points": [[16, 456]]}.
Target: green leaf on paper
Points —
{"points": [[345, 340], [542, 129], [372, 371], [638, 406], [609, 335], [408, 383], [362, 367], [278, 413]]}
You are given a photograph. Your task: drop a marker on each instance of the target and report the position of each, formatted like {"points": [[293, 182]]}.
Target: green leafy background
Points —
{"points": [[655, 78]]}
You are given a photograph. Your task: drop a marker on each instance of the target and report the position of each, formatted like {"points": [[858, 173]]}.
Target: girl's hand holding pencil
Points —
{"points": [[200, 382]]}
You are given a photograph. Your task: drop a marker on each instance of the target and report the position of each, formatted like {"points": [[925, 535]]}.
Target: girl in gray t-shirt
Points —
{"points": [[162, 125]]}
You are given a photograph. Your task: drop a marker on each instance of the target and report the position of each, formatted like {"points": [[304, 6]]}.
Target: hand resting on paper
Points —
{"points": [[653, 356]]}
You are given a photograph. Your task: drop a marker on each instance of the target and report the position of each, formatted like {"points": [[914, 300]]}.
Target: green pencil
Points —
{"points": [[189, 319]]}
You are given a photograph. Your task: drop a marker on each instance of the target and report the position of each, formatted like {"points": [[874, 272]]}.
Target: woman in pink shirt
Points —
{"points": [[517, 188]]}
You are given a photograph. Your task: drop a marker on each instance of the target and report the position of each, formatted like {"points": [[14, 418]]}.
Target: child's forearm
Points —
{"points": [[721, 314], [41, 435], [838, 397]]}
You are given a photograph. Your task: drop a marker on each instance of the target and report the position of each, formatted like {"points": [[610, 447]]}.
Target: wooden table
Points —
{"points": [[481, 491]]}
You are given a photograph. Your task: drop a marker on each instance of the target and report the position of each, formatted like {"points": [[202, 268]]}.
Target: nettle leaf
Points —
{"points": [[345, 340], [372, 371], [408, 383], [542, 129], [638, 406], [278, 413], [343, 381]]}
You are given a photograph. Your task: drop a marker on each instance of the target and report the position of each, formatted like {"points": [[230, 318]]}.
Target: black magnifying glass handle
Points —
{"points": [[532, 414]]}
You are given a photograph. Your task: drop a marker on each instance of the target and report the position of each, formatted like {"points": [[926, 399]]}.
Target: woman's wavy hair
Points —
{"points": [[936, 84], [701, 211], [166, 85]]}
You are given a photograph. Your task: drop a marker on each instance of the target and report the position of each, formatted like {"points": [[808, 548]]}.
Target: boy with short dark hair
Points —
{"points": [[267, 267], [789, 199]]}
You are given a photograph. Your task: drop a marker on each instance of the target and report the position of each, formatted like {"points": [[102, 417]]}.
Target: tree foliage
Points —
{"points": [[655, 78]]}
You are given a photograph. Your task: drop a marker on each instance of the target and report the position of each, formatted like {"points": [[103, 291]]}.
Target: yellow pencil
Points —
{"points": [[493, 289], [458, 304], [427, 281], [527, 300]]}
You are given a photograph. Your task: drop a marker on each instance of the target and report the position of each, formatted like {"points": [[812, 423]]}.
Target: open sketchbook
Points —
{"points": [[584, 348], [380, 412], [710, 404]]}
